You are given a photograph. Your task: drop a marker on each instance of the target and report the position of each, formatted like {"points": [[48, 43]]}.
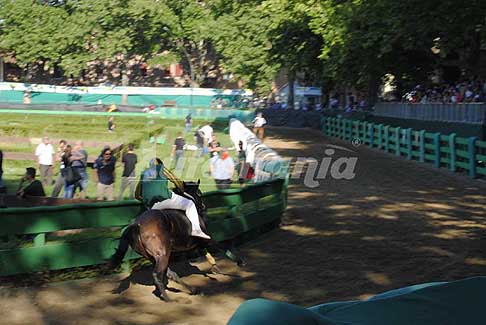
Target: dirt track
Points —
{"points": [[396, 223]]}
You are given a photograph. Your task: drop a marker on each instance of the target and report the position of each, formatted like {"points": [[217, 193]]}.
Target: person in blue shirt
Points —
{"points": [[153, 190], [105, 172]]}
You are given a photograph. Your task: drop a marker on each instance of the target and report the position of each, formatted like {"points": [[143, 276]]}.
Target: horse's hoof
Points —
{"points": [[240, 263], [165, 298], [215, 270], [162, 296]]}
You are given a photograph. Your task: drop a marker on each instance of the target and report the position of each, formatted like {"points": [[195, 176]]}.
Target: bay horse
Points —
{"points": [[155, 234]]}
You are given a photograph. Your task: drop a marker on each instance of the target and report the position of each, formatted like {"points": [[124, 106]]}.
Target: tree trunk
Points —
{"points": [[125, 81], [291, 82], [373, 86]]}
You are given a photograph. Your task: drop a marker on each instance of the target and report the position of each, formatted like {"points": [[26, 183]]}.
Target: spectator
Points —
{"points": [[129, 160], [111, 124], [105, 174], [199, 143], [222, 170], [214, 147], [59, 184], [243, 166], [334, 102], [207, 133], [79, 160], [258, 126], [188, 124], [66, 162], [178, 151], [461, 92], [33, 188], [44, 153]]}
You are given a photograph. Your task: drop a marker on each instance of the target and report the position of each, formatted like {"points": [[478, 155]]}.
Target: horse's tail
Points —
{"points": [[125, 241]]}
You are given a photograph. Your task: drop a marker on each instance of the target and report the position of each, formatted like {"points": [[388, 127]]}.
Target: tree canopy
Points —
{"points": [[323, 42]]}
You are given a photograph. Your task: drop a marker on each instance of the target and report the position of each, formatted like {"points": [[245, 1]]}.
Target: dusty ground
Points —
{"points": [[396, 223]]}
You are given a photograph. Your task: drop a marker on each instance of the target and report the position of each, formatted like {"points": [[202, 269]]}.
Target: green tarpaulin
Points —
{"points": [[440, 303]]}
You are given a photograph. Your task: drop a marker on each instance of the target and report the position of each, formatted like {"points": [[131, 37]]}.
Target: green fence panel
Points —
{"points": [[371, 134], [408, 137], [70, 216], [380, 136], [426, 147], [397, 141], [343, 129], [462, 154], [481, 170], [472, 156], [452, 149], [463, 165], [437, 150], [422, 146], [387, 138]]}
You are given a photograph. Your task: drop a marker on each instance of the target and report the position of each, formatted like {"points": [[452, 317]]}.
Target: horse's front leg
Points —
{"points": [[229, 252], [160, 275], [175, 277]]}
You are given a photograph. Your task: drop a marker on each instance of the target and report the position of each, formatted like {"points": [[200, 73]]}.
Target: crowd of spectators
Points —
{"points": [[472, 91], [70, 163]]}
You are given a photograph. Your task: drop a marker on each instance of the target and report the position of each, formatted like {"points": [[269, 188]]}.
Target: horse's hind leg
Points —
{"points": [[214, 267], [160, 275], [175, 277]]}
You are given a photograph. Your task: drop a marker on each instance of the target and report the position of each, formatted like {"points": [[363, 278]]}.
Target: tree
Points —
{"points": [[189, 36], [30, 33]]}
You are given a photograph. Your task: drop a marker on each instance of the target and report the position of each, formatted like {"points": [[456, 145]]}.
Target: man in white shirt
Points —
{"points": [[207, 132], [222, 169], [44, 153]]}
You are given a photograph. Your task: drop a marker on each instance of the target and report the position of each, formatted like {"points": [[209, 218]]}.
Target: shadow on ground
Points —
{"points": [[396, 223]]}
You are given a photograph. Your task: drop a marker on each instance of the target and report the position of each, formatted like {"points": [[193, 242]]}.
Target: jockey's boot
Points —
{"points": [[199, 233]]}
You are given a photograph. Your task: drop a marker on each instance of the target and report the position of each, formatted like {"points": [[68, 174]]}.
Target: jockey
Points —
{"points": [[153, 190]]}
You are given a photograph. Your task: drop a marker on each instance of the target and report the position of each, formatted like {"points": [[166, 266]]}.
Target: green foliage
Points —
{"points": [[328, 41]]}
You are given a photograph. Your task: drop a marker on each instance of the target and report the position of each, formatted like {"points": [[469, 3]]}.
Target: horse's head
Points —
{"points": [[192, 188]]}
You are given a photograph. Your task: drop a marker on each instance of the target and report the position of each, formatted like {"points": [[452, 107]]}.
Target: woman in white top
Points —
{"points": [[258, 124]]}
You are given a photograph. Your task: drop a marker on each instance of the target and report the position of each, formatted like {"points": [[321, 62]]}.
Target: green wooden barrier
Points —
{"points": [[230, 214], [452, 149], [408, 140], [380, 136], [472, 156], [437, 150], [422, 146], [458, 154], [397, 141], [387, 138]]}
